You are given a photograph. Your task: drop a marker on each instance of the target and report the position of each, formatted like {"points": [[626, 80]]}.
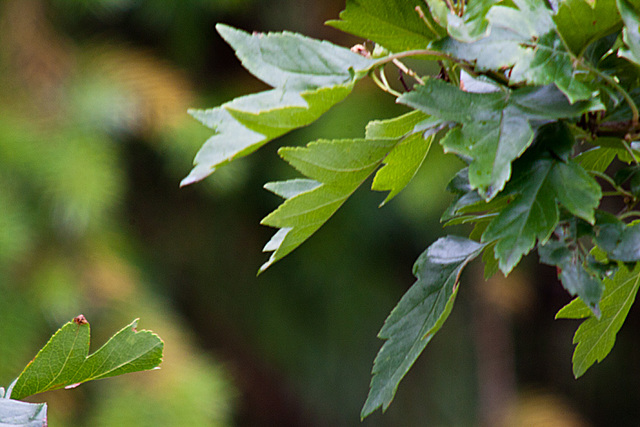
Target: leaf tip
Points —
{"points": [[80, 320]]}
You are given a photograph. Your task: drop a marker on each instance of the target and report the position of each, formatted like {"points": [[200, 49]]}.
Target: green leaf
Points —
{"points": [[16, 413], [309, 76], [336, 168], [523, 39], [620, 241], [405, 159], [631, 32], [496, 126], [595, 337], [472, 25], [394, 24], [418, 316], [564, 253], [63, 361], [580, 22], [292, 61], [540, 183], [596, 159]]}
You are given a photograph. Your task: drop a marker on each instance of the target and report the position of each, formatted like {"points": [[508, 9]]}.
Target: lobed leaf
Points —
{"points": [[336, 168], [394, 24], [526, 40], [404, 160], [595, 337], [309, 77], [63, 361], [496, 126], [418, 316], [581, 22], [540, 183]]}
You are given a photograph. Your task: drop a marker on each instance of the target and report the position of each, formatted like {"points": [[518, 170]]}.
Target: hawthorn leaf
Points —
{"points": [[596, 159], [540, 184], [563, 253], [404, 160], [336, 169], [418, 316], [394, 24], [23, 414], [293, 61], [581, 22], [631, 31], [595, 337], [309, 77], [63, 361], [496, 126], [524, 39], [472, 25], [620, 241]]}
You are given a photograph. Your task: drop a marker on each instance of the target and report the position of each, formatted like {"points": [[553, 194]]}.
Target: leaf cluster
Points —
{"points": [[538, 98]]}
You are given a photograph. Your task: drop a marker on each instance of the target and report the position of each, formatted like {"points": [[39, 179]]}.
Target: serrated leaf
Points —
{"points": [[631, 31], [63, 361], [496, 126], [580, 22], [309, 76], [336, 168], [597, 159], [563, 252], [418, 316], [404, 160], [595, 337], [523, 39], [540, 184], [394, 24], [620, 241], [23, 414], [472, 25]]}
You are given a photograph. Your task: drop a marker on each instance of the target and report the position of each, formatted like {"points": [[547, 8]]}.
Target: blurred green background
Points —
{"points": [[94, 139]]}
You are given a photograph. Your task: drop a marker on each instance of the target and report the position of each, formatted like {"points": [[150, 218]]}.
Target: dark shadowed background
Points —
{"points": [[94, 139]]}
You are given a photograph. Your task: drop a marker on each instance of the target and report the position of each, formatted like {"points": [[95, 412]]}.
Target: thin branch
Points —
{"points": [[407, 71], [382, 86], [619, 190], [426, 21]]}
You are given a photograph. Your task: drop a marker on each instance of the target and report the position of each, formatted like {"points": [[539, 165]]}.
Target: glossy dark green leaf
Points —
{"points": [[580, 22], [418, 316], [496, 126], [22, 414], [394, 24], [64, 360], [620, 241], [595, 337], [540, 184], [564, 253]]}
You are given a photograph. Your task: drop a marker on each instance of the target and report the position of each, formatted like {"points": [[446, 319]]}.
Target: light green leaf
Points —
{"points": [[336, 168], [309, 76], [63, 361], [418, 316], [23, 414], [405, 159], [394, 24], [581, 22], [540, 184], [496, 126], [595, 337], [524, 39], [292, 61], [631, 32], [472, 25]]}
